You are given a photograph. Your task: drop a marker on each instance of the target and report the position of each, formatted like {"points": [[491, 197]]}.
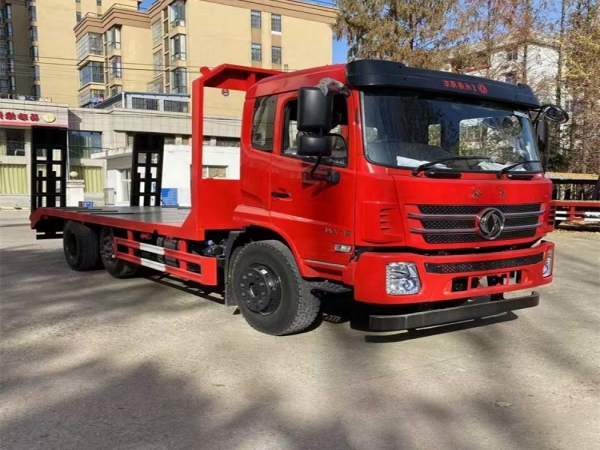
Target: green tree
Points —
{"points": [[415, 32]]}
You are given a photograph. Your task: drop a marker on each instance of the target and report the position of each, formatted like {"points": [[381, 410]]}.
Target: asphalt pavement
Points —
{"points": [[92, 362]]}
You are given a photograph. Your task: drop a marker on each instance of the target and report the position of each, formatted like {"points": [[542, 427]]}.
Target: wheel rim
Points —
{"points": [[106, 248], [260, 289], [72, 245]]}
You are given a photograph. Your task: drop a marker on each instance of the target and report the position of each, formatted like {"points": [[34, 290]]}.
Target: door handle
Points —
{"points": [[280, 194]]}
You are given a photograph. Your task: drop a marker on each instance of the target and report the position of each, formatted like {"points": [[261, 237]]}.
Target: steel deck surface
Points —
{"points": [[145, 214]]}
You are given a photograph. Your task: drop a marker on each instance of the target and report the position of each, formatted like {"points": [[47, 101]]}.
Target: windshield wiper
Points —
{"points": [[514, 166], [422, 167]]}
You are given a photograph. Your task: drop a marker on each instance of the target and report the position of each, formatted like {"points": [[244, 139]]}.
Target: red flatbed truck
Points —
{"points": [[429, 193]]}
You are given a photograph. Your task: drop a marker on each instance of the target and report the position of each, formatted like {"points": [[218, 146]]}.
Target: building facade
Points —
{"points": [[100, 145], [83, 51]]}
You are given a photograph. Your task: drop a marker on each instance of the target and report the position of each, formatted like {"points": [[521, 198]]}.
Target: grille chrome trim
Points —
{"points": [[471, 230], [471, 216]]}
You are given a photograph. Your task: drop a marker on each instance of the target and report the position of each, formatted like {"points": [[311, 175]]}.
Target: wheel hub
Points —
{"points": [[259, 289], [106, 248]]}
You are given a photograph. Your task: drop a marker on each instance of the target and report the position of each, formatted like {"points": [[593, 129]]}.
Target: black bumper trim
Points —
{"points": [[449, 315]]}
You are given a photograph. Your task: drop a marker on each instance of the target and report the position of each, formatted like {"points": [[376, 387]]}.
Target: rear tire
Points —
{"points": [[116, 267], [269, 290], [80, 246]]}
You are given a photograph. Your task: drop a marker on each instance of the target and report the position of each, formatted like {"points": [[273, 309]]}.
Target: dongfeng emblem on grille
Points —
{"points": [[490, 223]]}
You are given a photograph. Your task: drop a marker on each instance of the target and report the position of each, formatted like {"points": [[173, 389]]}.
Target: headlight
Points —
{"points": [[548, 264], [402, 279]]}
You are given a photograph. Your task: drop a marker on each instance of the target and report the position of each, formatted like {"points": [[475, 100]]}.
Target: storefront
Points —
{"points": [[19, 120]]}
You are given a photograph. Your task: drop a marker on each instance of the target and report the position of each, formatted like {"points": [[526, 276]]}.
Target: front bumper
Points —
{"points": [[438, 274], [449, 315]]}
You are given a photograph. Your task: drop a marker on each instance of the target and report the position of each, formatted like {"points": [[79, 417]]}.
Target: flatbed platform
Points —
{"points": [[145, 214]]}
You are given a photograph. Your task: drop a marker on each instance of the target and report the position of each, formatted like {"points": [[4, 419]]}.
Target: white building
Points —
{"points": [[536, 61]]}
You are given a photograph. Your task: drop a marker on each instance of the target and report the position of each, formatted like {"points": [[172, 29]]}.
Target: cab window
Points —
{"points": [[339, 156]]}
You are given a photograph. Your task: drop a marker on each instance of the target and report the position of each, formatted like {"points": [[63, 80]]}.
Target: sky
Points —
{"points": [[340, 49]]}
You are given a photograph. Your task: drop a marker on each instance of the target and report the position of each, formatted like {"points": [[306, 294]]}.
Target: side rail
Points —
{"points": [[175, 261], [577, 211]]}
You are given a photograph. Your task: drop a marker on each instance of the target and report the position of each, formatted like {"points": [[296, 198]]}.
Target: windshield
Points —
{"points": [[405, 131]]}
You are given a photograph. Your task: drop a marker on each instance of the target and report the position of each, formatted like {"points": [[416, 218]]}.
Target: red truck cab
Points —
{"points": [[412, 190]]}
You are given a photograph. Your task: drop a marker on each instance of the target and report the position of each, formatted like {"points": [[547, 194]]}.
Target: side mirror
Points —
{"points": [[555, 114], [543, 134], [314, 110], [314, 145]]}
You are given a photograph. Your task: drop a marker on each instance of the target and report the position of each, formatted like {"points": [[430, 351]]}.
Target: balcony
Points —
{"points": [[90, 96], [90, 48], [113, 49]]}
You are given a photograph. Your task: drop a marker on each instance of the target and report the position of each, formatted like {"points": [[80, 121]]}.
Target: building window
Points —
{"points": [[9, 30], [214, 171], [276, 55], [13, 179], [113, 38], [2, 49], [144, 103], [13, 83], [11, 48], [255, 19], [98, 2], [156, 33], [276, 23], [263, 123], [32, 14], [178, 48], [33, 52], [3, 67], [11, 65], [3, 86], [115, 67], [36, 90], [36, 73], [33, 35], [155, 86], [512, 56], [92, 176], [115, 90], [177, 14], [156, 63], [78, 16], [89, 44], [15, 142], [92, 72], [83, 143], [8, 12], [179, 82], [176, 106], [256, 52]]}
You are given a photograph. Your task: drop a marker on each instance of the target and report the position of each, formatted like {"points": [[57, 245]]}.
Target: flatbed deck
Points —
{"points": [[165, 220], [146, 214]]}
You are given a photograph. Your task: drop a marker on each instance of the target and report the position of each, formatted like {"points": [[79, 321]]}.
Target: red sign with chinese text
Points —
{"points": [[19, 117], [461, 86]]}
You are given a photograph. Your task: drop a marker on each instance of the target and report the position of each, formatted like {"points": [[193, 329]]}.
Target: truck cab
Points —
{"points": [[412, 186]]}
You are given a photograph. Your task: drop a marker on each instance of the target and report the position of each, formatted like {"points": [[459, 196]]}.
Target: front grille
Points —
{"points": [[438, 222], [484, 265], [466, 224], [475, 209], [467, 238]]}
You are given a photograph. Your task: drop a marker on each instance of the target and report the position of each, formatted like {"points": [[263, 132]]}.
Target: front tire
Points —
{"points": [[269, 290]]}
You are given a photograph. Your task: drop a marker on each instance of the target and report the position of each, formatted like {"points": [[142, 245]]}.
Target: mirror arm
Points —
{"points": [[315, 167]]}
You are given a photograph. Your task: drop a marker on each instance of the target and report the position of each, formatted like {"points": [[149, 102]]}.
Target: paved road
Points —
{"points": [[90, 362]]}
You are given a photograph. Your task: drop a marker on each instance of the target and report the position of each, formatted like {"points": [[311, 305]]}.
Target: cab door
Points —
{"points": [[316, 214]]}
